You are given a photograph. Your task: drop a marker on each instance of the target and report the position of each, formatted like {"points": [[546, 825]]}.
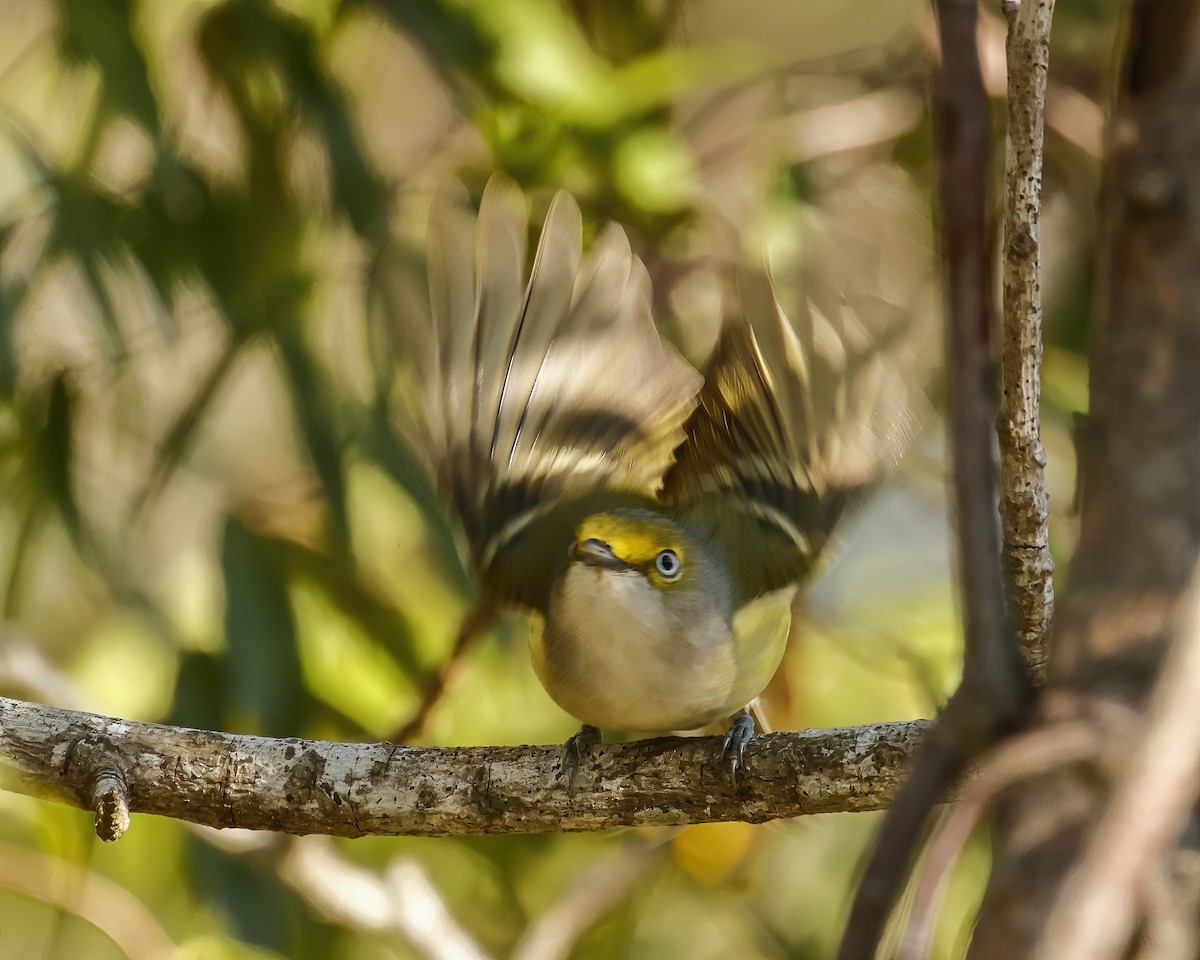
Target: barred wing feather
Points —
{"points": [[547, 403], [793, 423]]}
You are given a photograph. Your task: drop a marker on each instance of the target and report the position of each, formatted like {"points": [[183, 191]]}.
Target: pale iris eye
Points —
{"points": [[667, 563]]}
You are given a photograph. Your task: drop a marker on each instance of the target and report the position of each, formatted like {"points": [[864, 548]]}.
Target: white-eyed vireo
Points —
{"points": [[655, 521]]}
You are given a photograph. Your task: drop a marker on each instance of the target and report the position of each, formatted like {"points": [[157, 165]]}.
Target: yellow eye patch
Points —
{"points": [[642, 540]]}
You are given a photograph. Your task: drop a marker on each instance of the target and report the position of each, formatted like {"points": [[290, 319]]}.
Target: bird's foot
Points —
{"points": [[741, 731], [573, 751]]}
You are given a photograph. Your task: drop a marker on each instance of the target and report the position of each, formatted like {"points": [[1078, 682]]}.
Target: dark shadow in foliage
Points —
{"points": [[101, 33], [260, 909], [242, 38], [201, 690], [264, 663], [55, 449]]}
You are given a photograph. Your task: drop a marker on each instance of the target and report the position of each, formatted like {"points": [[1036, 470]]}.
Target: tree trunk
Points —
{"points": [[1130, 583]]}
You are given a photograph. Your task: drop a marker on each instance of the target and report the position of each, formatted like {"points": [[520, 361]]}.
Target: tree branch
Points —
{"points": [[352, 790], [1129, 595], [1023, 501], [993, 694]]}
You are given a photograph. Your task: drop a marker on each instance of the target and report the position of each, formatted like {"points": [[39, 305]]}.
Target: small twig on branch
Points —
{"points": [[94, 768], [993, 693], [352, 790], [1023, 501]]}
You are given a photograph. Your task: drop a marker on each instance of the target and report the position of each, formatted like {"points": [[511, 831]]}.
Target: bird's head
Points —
{"points": [[639, 542]]}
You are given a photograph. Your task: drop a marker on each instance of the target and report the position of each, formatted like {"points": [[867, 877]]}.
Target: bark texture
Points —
{"points": [[352, 790], [1024, 506], [1127, 597]]}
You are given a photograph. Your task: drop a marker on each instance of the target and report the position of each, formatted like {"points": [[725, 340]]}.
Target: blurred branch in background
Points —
{"points": [[596, 891], [1017, 758], [1075, 118], [1096, 914], [81, 893], [399, 899]]}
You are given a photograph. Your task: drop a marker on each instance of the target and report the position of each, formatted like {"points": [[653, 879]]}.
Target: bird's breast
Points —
{"points": [[617, 653]]}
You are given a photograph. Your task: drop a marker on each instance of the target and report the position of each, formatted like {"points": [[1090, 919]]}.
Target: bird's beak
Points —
{"points": [[597, 553]]}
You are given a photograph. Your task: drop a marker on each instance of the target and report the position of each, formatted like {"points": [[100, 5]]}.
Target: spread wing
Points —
{"points": [[793, 422], [548, 399]]}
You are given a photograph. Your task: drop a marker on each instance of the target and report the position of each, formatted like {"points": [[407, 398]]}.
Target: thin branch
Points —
{"points": [[1023, 501], [990, 670], [352, 790], [1071, 115], [473, 624], [993, 692]]}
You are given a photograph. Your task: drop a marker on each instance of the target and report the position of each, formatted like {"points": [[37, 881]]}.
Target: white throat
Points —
{"points": [[616, 655]]}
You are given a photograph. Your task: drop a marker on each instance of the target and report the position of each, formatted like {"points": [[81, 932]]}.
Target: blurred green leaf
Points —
{"points": [[201, 691], [264, 664], [56, 454], [544, 59], [175, 447], [87, 228], [263, 912], [170, 232], [343, 585], [12, 294], [314, 405], [1065, 381], [655, 170], [447, 31]]}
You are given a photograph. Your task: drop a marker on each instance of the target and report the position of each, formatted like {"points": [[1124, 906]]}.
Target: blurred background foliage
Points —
{"points": [[211, 271]]}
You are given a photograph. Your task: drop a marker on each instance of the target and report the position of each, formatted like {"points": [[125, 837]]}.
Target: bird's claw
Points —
{"points": [[741, 731], [572, 753]]}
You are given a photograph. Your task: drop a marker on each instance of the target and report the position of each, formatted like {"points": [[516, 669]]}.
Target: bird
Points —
{"points": [[654, 521]]}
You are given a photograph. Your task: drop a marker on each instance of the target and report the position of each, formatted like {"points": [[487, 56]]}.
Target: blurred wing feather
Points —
{"points": [[792, 424], [550, 404]]}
